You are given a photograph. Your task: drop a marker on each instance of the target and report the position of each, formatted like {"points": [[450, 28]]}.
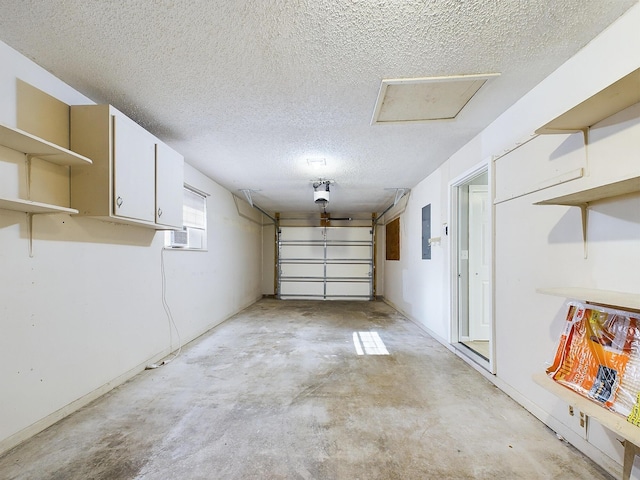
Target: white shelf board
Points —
{"points": [[584, 197], [19, 205], [613, 99], [613, 421], [24, 142], [605, 297]]}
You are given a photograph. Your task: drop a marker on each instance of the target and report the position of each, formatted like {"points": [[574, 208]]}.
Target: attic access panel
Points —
{"points": [[425, 99]]}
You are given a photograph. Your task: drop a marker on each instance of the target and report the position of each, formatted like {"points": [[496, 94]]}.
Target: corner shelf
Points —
{"points": [[601, 297], [614, 98], [28, 206], [29, 144], [36, 147]]}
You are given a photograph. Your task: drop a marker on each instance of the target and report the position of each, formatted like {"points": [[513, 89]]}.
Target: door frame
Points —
{"points": [[454, 339]]}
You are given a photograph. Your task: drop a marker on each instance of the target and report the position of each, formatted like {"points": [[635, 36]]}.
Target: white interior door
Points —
{"points": [[479, 267]]}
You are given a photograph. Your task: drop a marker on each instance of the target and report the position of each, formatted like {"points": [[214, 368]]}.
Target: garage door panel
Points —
{"points": [[302, 251], [340, 270], [288, 234], [302, 270], [342, 289], [349, 251], [302, 288], [362, 234]]}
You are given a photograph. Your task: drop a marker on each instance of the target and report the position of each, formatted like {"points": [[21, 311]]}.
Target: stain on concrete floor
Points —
{"points": [[278, 392]]}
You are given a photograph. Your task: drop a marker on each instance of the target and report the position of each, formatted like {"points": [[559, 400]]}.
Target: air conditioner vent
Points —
{"points": [[179, 239]]}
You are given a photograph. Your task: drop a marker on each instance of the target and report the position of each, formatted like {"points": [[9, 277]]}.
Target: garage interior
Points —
{"points": [[312, 239], [291, 398]]}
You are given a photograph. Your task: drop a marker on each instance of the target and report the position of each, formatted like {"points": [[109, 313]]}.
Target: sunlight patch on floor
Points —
{"points": [[369, 343]]}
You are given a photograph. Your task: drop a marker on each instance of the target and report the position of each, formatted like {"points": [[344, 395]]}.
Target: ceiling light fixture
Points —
{"points": [[321, 191], [316, 163]]}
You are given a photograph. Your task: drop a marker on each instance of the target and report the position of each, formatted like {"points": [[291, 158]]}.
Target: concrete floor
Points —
{"points": [[278, 392]]}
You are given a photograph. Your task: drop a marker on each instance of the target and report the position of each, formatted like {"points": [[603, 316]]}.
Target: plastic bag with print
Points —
{"points": [[597, 355]]}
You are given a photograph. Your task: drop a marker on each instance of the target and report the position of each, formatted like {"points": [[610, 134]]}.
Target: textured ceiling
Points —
{"points": [[248, 90]]}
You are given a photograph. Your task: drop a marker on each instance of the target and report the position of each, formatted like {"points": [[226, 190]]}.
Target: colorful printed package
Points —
{"points": [[598, 356]]}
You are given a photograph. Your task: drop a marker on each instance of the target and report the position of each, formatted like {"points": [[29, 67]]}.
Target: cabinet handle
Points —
{"points": [[119, 201], [159, 212]]}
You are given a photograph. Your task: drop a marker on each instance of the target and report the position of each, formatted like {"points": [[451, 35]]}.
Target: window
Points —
{"points": [[193, 235]]}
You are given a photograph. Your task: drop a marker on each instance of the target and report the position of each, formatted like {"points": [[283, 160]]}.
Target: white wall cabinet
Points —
{"points": [[169, 173], [135, 179], [133, 170]]}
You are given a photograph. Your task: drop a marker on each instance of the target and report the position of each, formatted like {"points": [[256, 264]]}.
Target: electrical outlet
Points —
{"points": [[581, 423]]}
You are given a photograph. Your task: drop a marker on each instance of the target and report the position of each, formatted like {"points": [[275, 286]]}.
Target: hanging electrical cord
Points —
{"points": [[172, 323]]}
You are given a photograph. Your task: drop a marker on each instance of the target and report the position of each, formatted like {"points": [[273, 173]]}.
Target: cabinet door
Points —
{"points": [[169, 186], [134, 170]]}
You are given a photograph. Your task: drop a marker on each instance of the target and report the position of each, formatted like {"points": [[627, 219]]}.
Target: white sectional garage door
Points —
{"points": [[325, 263]]}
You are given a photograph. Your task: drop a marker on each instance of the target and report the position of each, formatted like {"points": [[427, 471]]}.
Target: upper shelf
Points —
{"points": [[604, 297], [24, 142], [19, 205], [616, 97], [622, 187]]}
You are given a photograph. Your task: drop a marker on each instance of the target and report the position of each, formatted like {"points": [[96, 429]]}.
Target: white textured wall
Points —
{"points": [[415, 286], [540, 246], [86, 311], [268, 259]]}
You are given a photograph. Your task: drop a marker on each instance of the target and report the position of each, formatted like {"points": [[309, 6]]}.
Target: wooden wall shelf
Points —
{"points": [[584, 198], [33, 146], [28, 206], [613, 421], [603, 192], [603, 297], [613, 99], [24, 142]]}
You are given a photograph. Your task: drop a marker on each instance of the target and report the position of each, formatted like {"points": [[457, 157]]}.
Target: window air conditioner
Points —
{"points": [[179, 239]]}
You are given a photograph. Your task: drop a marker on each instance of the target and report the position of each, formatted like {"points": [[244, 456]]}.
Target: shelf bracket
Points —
{"points": [[630, 452], [30, 232], [586, 135], [247, 195], [28, 167], [584, 211]]}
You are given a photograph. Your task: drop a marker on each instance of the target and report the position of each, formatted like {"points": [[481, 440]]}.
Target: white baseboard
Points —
{"points": [[35, 428]]}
